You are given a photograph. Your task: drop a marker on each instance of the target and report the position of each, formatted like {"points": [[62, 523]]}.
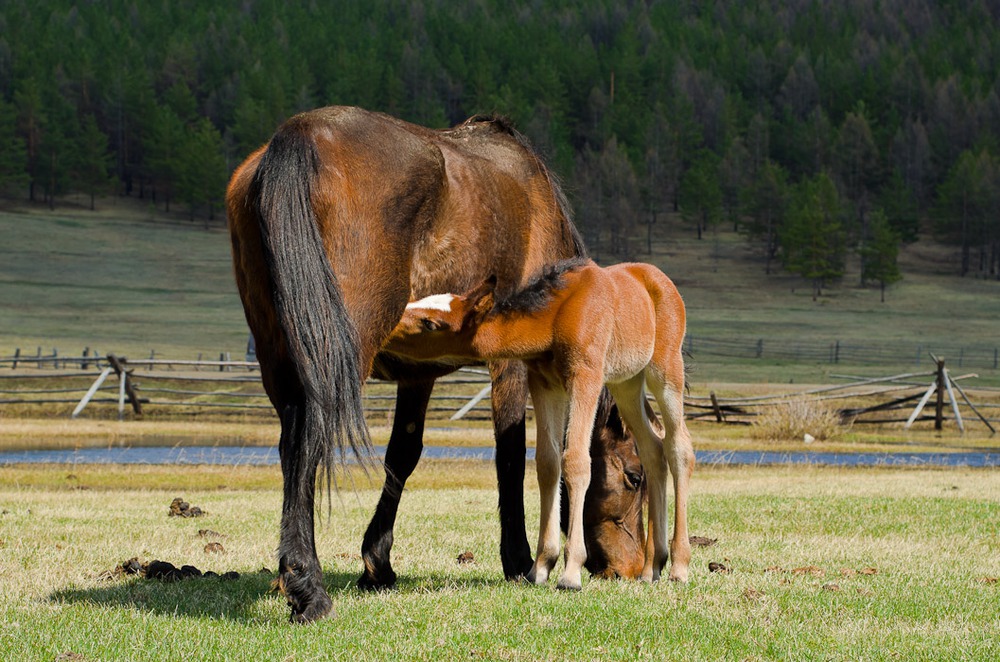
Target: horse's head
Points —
{"points": [[612, 511], [441, 325]]}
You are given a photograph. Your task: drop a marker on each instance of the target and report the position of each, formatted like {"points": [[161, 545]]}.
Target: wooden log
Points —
{"points": [[126, 386], [954, 403], [715, 407], [920, 406], [972, 407], [90, 393], [939, 401]]}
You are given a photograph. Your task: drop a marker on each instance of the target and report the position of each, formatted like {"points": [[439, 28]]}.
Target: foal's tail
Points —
{"points": [[322, 342]]}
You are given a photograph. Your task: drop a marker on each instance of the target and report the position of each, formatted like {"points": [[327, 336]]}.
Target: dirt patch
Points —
{"points": [[466, 557]]}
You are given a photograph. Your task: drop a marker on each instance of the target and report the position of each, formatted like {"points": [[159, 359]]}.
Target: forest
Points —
{"points": [[820, 129]]}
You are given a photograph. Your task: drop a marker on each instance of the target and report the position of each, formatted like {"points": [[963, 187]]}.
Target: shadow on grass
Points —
{"points": [[240, 599]]}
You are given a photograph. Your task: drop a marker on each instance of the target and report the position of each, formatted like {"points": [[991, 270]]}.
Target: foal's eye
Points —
{"points": [[634, 479], [429, 324]]}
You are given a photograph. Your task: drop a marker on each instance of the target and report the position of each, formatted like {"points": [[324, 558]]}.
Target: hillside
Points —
{"points": [[133, 280]]}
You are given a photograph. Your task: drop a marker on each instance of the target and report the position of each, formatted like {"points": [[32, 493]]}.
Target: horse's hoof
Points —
{"points": [[565, 585], [367, 583], [319, 606]]}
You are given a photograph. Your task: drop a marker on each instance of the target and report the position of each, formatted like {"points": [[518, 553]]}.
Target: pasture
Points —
{"points": [[128, 279], [822, 563]]}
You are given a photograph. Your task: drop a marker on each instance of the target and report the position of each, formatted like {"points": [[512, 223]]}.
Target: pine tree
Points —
{"points": [[881, 252], [812, 241], [93, 161], [13, 151]]}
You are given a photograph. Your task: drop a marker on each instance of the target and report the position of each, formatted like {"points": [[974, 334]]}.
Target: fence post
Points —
{"points": [[84, 364], [125, 386], [38, 358], [760, 347], [17, 355], [715, 407], [939, 402]]}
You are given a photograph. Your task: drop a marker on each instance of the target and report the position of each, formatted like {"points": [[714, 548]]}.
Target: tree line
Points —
{"points": [[821, 130]]}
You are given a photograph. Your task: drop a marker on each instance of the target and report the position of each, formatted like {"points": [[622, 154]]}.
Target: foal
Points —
{"points": [[578, 328]]}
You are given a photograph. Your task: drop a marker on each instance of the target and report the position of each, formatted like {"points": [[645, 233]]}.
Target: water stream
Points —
{"points": [[268, 455]]}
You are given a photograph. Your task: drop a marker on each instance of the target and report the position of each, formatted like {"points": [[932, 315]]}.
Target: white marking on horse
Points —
{"points": [[440, 302]]}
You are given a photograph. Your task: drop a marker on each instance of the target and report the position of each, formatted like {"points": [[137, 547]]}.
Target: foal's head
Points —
{"points": [[612, 511], [441, 325]]}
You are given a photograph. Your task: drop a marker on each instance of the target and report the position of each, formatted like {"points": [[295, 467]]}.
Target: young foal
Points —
{"points": [[577, 328]]}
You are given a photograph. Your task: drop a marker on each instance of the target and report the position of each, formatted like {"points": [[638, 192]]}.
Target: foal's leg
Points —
{"points": [[510, 397], [584, 393], [631, 399], [401, 457], [669, 392], [550, 421]]}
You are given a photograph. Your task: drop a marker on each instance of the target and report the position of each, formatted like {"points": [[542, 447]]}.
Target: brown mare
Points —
{"points": [[336, 223], [578, 328]]}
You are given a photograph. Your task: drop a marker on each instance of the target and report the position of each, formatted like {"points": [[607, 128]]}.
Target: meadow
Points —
{"points": [[820, 564], [817, 563], [131, 280]]}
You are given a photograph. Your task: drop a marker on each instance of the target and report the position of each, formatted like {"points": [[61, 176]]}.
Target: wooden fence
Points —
{"points": [[158, 384]]}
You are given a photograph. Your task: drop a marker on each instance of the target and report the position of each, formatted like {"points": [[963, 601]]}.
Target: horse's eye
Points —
{"points": [[634, 479], [429, 324]]}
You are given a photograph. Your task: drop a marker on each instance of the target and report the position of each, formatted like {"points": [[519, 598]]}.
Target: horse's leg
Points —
{"points": [[401, 457], [300, 577], [509, 398], [550, 421], [669, 393], [584, 393], [631, 399]]}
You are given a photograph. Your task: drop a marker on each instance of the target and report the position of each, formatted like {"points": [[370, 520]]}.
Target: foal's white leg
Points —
{"points": [[630, 397], [550, 421], [680, 457], [584, 392]]}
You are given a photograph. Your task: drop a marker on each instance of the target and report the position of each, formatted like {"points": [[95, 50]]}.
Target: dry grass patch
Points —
{"points": [[803, 420]]}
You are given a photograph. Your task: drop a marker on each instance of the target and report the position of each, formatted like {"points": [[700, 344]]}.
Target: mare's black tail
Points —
{"points": [[321, 339]]}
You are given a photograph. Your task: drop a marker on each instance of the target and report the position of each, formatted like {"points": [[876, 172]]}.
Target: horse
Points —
{"points": [[336, 223], [578, 328]]}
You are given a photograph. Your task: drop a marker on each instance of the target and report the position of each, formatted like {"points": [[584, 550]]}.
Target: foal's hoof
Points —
{"points": [[318, 606], [565, 585]]}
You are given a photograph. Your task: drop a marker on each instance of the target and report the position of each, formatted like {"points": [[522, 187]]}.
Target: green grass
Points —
{"points": [[130, 279], [930, 535], [117, 280]]}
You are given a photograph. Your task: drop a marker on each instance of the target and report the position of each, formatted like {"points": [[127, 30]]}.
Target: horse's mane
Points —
{"points": [[536, 295], [503, 124]]}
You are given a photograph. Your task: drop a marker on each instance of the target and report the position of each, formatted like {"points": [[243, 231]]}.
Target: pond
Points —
{"points": [[268, 455]]}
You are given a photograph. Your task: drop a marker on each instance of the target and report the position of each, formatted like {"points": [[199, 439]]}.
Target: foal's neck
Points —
{"points": [[514, 335]]}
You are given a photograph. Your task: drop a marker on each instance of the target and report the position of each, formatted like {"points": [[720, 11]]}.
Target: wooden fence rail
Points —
{"points": [[220, 384]]}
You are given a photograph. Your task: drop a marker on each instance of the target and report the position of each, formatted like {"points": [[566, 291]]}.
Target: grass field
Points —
{"points": [[130, 279], [799, 543], [872, 564]]}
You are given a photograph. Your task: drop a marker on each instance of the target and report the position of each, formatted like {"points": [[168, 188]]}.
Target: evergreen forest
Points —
{"points": [[820, 129]]}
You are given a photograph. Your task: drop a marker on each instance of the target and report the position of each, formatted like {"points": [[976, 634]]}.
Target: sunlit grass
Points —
{"points": [[797, 542]]}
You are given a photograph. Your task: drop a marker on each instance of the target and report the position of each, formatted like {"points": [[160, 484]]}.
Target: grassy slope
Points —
{"points": [[130, 279]]}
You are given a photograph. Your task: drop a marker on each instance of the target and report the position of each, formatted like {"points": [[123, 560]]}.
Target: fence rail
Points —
{"points": [[235, 385], [981, 357]]}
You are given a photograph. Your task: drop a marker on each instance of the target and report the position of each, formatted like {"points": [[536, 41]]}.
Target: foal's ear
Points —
{"points": [[480, 300]]}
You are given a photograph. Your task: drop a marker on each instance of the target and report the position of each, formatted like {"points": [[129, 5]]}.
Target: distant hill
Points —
{"points": [[131, 279]]}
